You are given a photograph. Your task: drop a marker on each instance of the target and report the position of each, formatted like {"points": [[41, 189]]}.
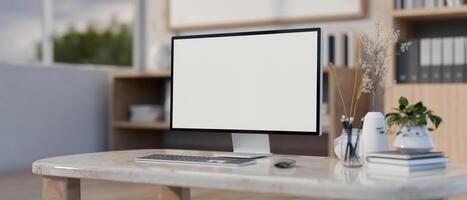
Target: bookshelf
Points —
{"points": [[430, 13], [447, 99], [127, 88]]}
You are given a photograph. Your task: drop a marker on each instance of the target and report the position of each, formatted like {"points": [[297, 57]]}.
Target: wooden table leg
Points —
{"points": [[173, 193], [60, 188]]}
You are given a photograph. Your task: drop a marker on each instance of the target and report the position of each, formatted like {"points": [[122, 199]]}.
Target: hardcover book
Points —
{"points": [[404, 156]]}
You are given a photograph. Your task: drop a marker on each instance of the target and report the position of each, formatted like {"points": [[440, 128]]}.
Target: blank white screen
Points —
{"points": [[265, 82]]}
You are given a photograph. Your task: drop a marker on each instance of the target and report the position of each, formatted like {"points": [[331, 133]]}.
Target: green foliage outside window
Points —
{"points": [[108, 46]]}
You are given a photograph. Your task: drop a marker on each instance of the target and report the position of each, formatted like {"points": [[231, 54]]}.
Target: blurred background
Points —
{"points": [[58, 58]]}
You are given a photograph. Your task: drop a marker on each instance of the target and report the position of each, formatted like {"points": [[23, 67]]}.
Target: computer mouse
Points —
{"points": [[284, 163]]}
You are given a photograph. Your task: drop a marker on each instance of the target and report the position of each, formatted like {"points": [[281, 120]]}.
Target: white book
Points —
{"points": [[408, 4], [404, 169], [422, 161], [439, 3], [450, 3], [406, 156], [436, 52], [448, 51], [465, 57], [429, 3], [419, 4], [425, 52], [339, 49], [459, 51]]}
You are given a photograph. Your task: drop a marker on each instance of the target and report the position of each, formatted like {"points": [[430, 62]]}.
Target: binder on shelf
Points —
{"points": [[408, 4], [425, 60], [339, 49], [436, 60], [331, 41], [398, 5], [448, 59], [325, 49], [430, 3], [352, 51], [439, 3], [418, 4], [408, 62], [459, 59], [346, 50]]}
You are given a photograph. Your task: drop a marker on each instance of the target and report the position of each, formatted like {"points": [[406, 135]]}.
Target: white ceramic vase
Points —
{"points": [[374, 133], [414, 139]]}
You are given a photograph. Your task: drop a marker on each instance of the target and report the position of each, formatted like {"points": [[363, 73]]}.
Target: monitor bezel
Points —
{"points": [[233, 34]]}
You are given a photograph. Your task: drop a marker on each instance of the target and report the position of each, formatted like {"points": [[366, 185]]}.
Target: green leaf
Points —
{"points": [[409, 110], [436, 120], [390, 114], [403, 102], [392, 118], [419, 108]]}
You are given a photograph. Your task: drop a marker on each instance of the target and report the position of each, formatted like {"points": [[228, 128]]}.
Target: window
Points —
{"points": [[98, 32], [20, 30], [93, 32]]}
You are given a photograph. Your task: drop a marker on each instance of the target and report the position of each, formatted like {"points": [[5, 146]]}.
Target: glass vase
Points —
{"points": [[348, 148]]}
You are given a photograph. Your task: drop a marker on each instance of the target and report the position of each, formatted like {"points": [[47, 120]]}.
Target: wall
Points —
{"points": [[50, 111]]}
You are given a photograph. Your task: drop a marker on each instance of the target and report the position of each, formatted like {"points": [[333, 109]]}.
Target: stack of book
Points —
{"points": [[394, 162]]}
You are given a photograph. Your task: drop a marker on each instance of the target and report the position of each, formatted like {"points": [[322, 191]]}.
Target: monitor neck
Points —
{"points": [[248, 143]]}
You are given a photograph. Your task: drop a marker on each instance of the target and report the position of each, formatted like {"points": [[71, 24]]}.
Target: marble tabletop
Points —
{"points": [[312, 176]]}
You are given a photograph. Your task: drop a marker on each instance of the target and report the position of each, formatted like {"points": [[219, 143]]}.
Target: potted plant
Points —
{"points": [[410, 123]]}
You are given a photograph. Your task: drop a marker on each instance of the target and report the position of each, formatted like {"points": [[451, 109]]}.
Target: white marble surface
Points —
{"points": [[312, 177]]}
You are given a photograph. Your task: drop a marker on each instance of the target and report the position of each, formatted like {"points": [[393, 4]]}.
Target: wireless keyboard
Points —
{"points": [[198, 160]]}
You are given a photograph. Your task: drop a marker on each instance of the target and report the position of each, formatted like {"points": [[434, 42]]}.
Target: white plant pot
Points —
{"points": [[414, 139], [374, 133]]}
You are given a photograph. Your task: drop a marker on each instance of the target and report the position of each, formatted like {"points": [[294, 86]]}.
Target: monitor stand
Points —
{"points": [[246, 145]]}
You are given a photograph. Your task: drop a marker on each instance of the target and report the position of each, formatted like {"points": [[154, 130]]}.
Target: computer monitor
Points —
{"points": [[248, 83]]}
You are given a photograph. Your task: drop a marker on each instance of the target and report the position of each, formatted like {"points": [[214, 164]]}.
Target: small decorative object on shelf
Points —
{"points": [[410, 122], [145, 113]]}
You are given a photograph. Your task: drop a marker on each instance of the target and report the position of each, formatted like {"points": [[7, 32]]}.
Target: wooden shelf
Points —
{"points": [[134, 75], [431, 13], [139, 125]]}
